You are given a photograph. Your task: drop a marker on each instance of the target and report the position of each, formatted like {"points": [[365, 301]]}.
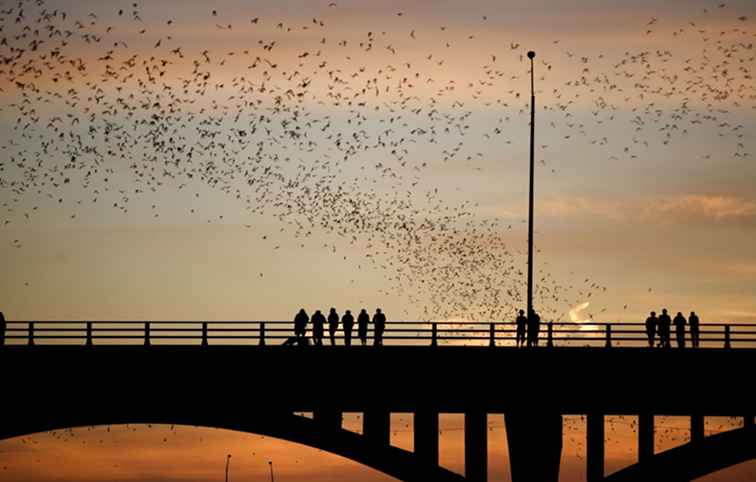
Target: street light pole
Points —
{"points": [[531, 55]]}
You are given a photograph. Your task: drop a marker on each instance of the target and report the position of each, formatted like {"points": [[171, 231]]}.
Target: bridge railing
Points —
{"points": [[412, 333]]}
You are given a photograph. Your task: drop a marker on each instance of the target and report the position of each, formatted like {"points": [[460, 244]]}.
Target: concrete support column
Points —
{"points": [[645, 437], [696, 428], [331, 419], [376, 426], [426, 436], [476, 446], [595, 447], [535, 445], [748, 421]]}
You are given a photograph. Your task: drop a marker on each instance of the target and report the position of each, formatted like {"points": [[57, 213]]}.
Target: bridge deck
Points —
{"points": [[396, 378]]}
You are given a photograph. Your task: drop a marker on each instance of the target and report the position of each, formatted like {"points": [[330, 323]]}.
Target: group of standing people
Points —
{"points": [[528, 328], [318, 321], [662, 326]]}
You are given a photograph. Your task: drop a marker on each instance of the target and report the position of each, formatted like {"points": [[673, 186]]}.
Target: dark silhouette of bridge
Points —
{"points": [[253, 384]]}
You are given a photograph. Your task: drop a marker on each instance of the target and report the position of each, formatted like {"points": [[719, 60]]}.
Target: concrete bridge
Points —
{"points": [[258, 389]]}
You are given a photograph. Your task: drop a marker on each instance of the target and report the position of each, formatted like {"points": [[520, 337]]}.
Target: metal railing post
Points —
{"points": [[727, 336], [550, 337], [147, 341], [31, 333], [608, 335], [204, 333], [262, 333], [89, 333], [434, 335], [492, 335]]}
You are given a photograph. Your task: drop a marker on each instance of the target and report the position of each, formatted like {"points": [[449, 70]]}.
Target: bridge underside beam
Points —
{"points": [[476, 446], [535, 446]]}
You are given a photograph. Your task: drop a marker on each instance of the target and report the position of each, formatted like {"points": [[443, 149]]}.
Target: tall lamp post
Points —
{"points": [[531, 56]]}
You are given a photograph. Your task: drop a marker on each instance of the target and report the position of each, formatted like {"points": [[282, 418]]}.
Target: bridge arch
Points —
{"points": [[393, 461], [695, 459]]}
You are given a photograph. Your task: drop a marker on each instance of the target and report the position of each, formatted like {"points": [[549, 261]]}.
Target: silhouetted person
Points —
{"points": [[2, 329], [695, 331], [522, 326], [534, 326], [362, 326], [318, 321], [665, 323], [651, 323], [347, 321], [379, 325], [679, 322], [333, 325], [300, 325]]}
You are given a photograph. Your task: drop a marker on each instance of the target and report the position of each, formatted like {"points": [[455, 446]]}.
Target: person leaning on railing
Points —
{"points": [[379, 325], [534, 326], [522, 327], [318, 321], [680, 323], [664, 324], [651, 323], [695, 332], [333, 325], [347, 321], [300, 327], [362, 326]]}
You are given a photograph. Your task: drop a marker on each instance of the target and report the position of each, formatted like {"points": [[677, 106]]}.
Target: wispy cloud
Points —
{"points": [[717, 208], [687, 208], [581, 206]]}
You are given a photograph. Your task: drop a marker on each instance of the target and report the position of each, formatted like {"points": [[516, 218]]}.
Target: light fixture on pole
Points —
{"points": [[531, 56]]}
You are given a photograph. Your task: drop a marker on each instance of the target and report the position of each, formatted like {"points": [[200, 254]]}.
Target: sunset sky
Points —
{"points": [[418, 111]]}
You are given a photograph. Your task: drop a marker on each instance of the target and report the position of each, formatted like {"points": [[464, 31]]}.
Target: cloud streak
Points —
{"points": [[677, 209]]}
